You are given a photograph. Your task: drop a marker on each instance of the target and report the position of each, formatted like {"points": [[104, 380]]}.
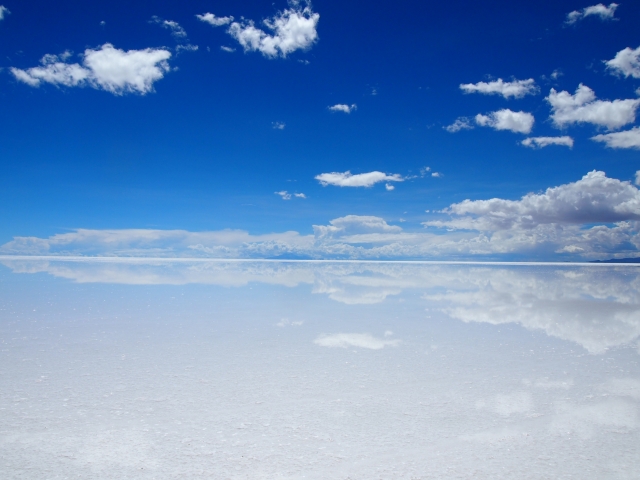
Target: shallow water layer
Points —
{"points": [[163, 369]]}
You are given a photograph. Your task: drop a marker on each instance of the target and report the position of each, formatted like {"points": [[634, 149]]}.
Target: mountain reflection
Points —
{"points": [[596, 307]]}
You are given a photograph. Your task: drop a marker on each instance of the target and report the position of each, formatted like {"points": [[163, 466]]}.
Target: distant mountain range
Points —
{"points": [[619, 260]]}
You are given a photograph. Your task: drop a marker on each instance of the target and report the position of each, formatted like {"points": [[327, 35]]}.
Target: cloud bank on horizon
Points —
{"points": [[595, 217]]}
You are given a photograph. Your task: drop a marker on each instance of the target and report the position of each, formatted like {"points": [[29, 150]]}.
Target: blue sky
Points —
{"points": [[141, 130]]}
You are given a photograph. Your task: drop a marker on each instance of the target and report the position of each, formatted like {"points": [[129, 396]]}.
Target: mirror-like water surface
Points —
{"points": [[161, 369]]}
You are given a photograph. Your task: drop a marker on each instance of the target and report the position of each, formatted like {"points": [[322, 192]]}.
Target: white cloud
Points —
{"points": [[541, 142], [53, 71], [582, 107], [227, 49], [626, 139], [341, 107], [278, 125], [637, 182], [515, 89], [176, 30], [352, 226], [505, 119], [389, 187], [594, 218], [556, 74], [106, 68], [437, 175], [626, 62], [593, 199], [347, 179], [211, 19], [3, 12], [293, 29], [599, 10], [461, 123], [286, 322], [288, 196], [186, 48], [361, 340]]}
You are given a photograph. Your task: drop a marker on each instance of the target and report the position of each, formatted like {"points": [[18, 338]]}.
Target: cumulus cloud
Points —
{"points": [[341, 107], [461, 123], [107, 68], [594, 198], [582, 107], [505, 119], [361, 340], [211, 19], [626, 139], [599, 10], [293, 29], [288, 196], [626, 62], [176, 30], [347, 179], [515, 89], [541, 142], [3, 12]]}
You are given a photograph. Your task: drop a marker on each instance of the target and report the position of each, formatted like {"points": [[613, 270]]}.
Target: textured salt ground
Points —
{"points": [[100, 381]]}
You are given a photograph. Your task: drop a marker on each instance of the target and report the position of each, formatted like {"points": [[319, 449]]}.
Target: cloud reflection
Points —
{"points": [[596, 307]]}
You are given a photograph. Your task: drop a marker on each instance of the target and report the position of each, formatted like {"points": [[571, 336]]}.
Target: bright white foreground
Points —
{"points": [[318, 371]]}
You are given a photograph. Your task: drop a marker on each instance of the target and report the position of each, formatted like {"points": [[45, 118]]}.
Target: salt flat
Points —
{"points": [[158, 369]]}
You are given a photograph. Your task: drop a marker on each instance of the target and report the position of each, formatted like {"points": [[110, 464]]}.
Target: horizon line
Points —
{"points": [[115, 259]]}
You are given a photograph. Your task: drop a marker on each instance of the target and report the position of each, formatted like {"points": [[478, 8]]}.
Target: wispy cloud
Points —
{"points": [[214, 21], [582, 107], [288, 196], [360, 340], [341, 107], [347, 179], [461, 123], [4, 11], [227, 49], [541, 142], [626, 139], [278, 125], [599, 10], [505, 119], [176, 30], [515, 89], [107, 68]]}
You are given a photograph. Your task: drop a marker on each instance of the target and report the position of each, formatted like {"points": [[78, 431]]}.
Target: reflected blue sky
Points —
{"points": [[336, 370]]}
